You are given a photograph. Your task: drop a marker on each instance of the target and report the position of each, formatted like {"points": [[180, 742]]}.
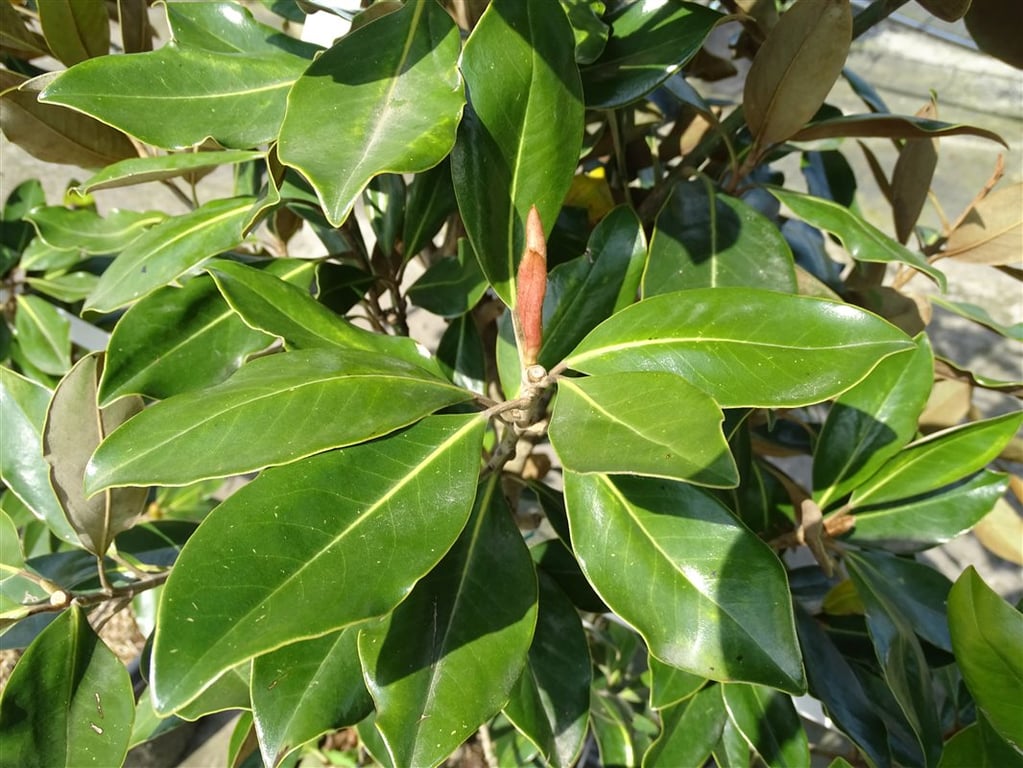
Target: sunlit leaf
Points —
{"points": [[402, 95], [302, 539], [991, 231], [663, 553], [140, 170], [768, 723]]}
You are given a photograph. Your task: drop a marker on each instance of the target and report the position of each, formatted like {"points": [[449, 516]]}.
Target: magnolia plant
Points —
{"points": [[562, 530]]}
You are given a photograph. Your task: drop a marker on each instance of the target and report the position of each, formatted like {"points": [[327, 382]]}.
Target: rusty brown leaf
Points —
{"points": [[992, 232], [796, 67], [911, 179], [56, 134]]}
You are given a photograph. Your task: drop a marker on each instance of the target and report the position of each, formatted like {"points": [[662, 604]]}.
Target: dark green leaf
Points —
{"points": [[984, 630], [648, 42], [460, 355], [430, 200], [303, 539], [84, 230], [178, 96], [306, 689], [901, 657], [519, 141], [916, 590], [221, 27], [448, 657], [168, 250], [611, 732], [384, 201], [644, 423], [862, 240], [589, 289], [670, 685], [743, 346], [43, 334], [75, 31], [182, 439], [835, 685], [139, 170], [768, 722], [590, 32], [938, 460], [55, 134], [23, 406], [731, 751], [978, 745], [661, 552], [178, 339], [922, 522], [872, 422], [451, 286], [74, 426], [550, 703], [705, 240], [398, 80], [556, 560], [689, 731], [270, 304], [229, 691], [68, 702]]}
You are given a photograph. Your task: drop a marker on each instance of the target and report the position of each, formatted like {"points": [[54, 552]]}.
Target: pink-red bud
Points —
{"points": [[531, 288]]}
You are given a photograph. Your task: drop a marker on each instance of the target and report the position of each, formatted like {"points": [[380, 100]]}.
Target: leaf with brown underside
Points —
{"points": [[991, 233], [795, 68], [911, 179], [874, 126]]}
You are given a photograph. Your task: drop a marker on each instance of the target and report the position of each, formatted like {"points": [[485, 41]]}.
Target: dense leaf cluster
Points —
{"points": [[563, 528]]}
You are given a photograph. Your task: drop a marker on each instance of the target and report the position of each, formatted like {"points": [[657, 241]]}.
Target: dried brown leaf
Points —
{"points": [[992, 232], [796, 67], [1001, 532]]}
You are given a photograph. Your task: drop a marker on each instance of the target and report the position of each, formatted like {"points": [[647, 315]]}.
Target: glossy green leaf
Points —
{"points": [[731, 751], [901, 658], [140, 170], [832, 681], [430, 200], [75, 31], [55, 134], [768, 722], [978, 745], [706, 594], [550, 703], [670, 685], [862, 240], [328, 398], [451, 286], [460, 355], [70, 287], [229, 691], [68, 702], [44, 335], [555, 560], [85, 230], [743, 346], [984, 629], [589, 289], [74, 426], [519, 140], [611, 732], [384, 201], [979, 315], [590, 31], [168, 250], [689, 731], [164, 343], [306, 689], [302, 539], [23, 404], [872, 422], [648, 42], [398, 80], [221, 27], [40, 256], [924, 521], [938, 460], [644, 423], [177, 96], [447, 658], [704, 240], [918, 591], [889, 126], [269, 304]]}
